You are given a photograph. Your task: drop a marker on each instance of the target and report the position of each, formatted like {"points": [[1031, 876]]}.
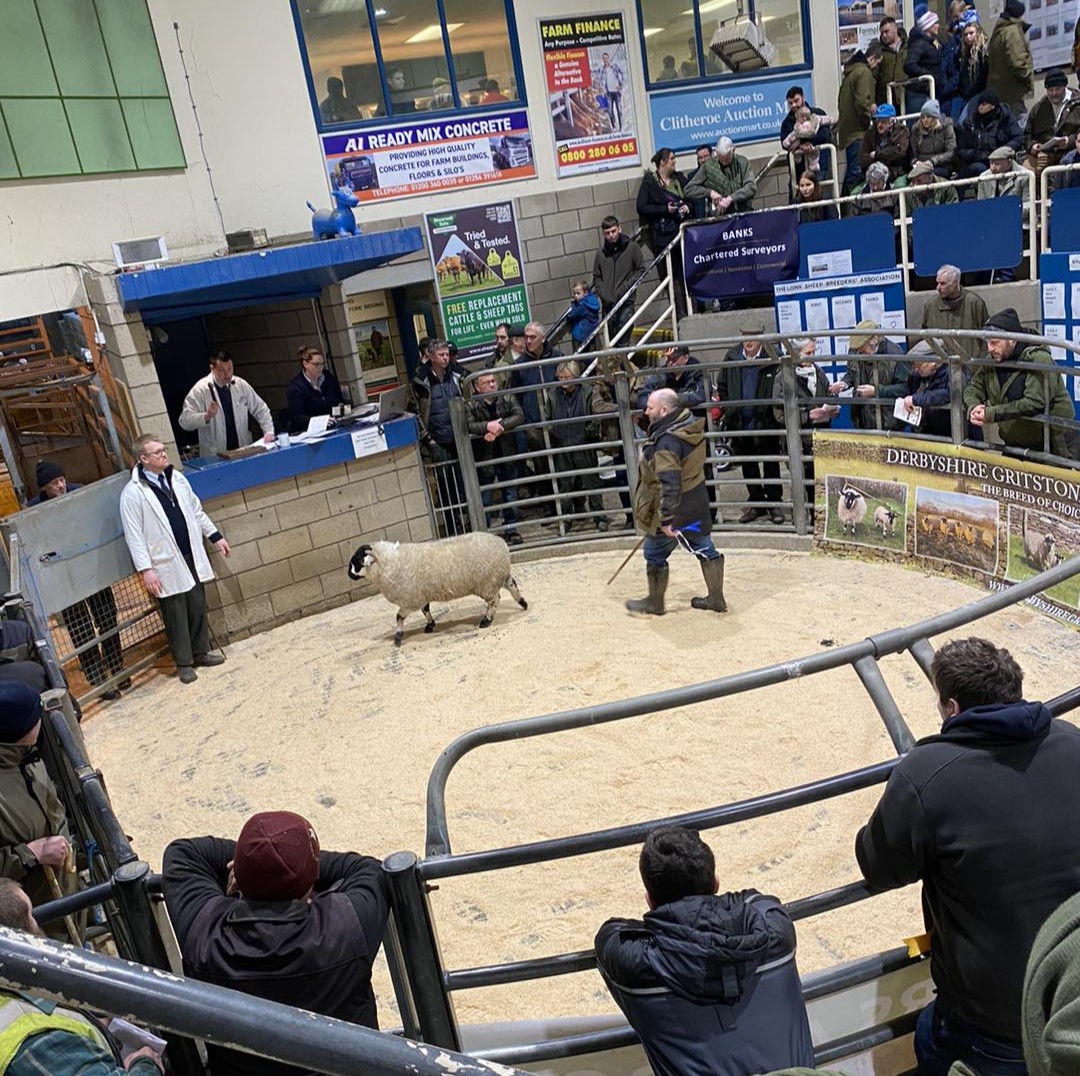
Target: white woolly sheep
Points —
{"points": [[411, 575], [1039, 549], [885, 520], [851, 508]]}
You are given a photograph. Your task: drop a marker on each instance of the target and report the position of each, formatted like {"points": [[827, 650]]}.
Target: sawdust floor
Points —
{"points": [[327, 718]]}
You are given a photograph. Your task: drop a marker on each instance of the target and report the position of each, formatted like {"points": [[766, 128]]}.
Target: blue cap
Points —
{"points": [[885, 112]]}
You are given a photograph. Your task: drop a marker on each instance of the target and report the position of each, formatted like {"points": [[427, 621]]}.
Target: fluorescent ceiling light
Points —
{"points": [[711, 5], [432, 33], [380, 12], [649, 31]]}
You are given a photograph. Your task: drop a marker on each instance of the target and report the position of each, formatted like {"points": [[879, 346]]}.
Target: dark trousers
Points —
{"points": [[95, 615], [185, 624], [941, 1041], [582, 483], [499, 472], [853, 172], [753, 472], [622, 316]]}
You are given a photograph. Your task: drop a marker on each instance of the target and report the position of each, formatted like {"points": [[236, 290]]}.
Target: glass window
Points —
{"points": [[82, 90], [417, 59], [760, 34]]}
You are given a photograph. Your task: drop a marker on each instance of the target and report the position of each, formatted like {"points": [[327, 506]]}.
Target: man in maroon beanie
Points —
{"points": [[272, 915]]}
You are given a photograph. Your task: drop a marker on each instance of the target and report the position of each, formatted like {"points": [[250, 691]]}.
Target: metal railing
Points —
{"points": [[902, 85]]}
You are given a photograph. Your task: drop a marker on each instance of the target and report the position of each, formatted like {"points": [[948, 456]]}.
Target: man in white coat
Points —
{"points": [[164, 527], [219, 407]]}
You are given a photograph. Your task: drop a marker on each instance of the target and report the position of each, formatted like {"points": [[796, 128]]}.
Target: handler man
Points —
{"points": [[671, 502]]}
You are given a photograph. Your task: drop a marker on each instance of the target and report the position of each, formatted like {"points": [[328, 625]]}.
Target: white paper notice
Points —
{"points": [[1055, 332], [817, 314], [894, 319], [1074, 262], [1054, 300], [843, 312], [1075, 297], [872, 306], [841, 346], [829, 263], [788, 317], [368, 441], [822, 346]]}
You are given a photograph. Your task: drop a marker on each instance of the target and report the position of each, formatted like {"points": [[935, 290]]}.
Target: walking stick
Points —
{"points": [[57, 892], [640, 542]]}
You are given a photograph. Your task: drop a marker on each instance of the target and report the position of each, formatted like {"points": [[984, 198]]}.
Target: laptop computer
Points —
{"points": [[389, 405]]}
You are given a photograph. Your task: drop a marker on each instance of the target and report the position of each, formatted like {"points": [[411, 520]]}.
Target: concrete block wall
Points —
{"points": [[291, 540]]}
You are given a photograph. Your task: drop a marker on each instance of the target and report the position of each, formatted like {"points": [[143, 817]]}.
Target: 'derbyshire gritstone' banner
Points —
{"points": [[963, 512]]}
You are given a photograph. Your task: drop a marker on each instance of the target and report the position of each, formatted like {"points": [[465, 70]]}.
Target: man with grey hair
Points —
{"points": [[671, 502], [531, 438], [726, 180], [954, 307]]}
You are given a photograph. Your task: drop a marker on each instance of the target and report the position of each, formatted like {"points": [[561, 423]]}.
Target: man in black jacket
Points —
{"points": [[616, 266], [988, 126], [707, 980], [984, 814], [273, 916]]}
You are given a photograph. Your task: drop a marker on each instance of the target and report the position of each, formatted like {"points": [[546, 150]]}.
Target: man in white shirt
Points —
{"points": [[219, 407]]}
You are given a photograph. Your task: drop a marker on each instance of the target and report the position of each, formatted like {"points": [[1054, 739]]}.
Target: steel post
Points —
{"points": [[467, 464], [794, 443], [957, 411], [868, 672], [626, 429]]}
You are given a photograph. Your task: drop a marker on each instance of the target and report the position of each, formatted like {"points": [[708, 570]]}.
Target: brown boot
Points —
{"points": [[713, 570], [654, 603]]}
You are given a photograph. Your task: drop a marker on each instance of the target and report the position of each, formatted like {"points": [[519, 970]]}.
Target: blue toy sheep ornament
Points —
{"points": [[332, 223]]}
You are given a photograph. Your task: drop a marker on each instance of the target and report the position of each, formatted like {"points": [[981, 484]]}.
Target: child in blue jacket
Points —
{"points": [[584, 313]]}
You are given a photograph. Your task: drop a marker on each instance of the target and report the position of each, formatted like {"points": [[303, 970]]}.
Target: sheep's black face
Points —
{"points": [[359, 562], [849, 498]]}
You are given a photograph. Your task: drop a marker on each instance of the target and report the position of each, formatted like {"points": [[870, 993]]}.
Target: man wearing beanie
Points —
{"points": [[983, 814], [96, 614], [33, 826], [1011, 73], [273, 916], [855, 110], [923, 61], [1010, 397], [1052, 123]]}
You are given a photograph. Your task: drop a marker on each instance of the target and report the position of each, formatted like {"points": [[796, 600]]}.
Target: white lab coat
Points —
{"points": [[150, 538], [245, 400]]}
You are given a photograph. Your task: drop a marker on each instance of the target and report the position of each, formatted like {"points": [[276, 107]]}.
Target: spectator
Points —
{"points": [[886, 141], [433, 386], [533, 402], [584, 313], [808, 197], [877, 181], [982, 814], [34, 836], [810, 384], [272, 915], [668, 72], [617, 265], [1071, 178], [974, 63], [661, 207], [1003, 176], [1010, 398], [312, 392], [814, 131], [933, 139], [221, 406], [885, 379], [336, 107], [740, 387], [954, 307], [164, 528], [699, 206], [920, 176], [928, 389], [492, 93], [727, 181], [575, 428], [989, 126], [708, 980], [492, 421], [893, 41], [400, 100], [605, 404], [1052, 123], [1010, 71], [855, 110], [948, 84], [923, 61], [93, 616], [17, 662], [42, 1037], [502, 354], [682, 373]]}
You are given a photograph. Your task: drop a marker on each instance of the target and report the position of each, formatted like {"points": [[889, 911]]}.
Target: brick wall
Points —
{"points": [[292, 539]]}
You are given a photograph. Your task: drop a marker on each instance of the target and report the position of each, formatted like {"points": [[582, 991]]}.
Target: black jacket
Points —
{"points": [[710, 985], [824, 132], [978, 136], [729, 384], [932, 395], [687, 380], [303, 401], [316, 954], [923, 58], [652, 209], [531, 402], [985, 814]]}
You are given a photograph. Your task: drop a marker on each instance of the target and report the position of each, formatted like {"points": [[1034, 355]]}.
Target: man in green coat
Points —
{"points": [[1011, 397], [922, 175], [954, 307], [726, 180], [1011, 73], [893, 56], [855, 109]]}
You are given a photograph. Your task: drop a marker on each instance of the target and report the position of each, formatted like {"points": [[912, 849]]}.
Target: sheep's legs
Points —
{"points": [[400, 633], [489, 611], [429, 627], [511, 585]]}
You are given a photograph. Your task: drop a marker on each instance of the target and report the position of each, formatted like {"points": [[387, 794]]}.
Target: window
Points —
{"points": [[373, 59], [82, 90], [762, 35]]}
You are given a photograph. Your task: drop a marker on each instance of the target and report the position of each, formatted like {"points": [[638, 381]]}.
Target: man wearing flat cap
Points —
{"points": [[922, 175], [1011, 398], [1052, 122], [272, 915], [865, 379], [1003, 176]]}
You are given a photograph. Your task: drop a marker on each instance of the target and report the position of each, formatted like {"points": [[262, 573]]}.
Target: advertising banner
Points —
{"points": [[744, 255], [479, 273], [592, 100], [420, 157], [749, 112], [957, 511]]}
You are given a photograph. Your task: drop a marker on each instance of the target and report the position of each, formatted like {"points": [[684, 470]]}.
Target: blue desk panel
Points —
{"points": [[214, 478]]}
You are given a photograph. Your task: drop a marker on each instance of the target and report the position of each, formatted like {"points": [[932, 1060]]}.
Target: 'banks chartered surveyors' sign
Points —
{"points": [[434, 155], [748, 112], [479, 273]]}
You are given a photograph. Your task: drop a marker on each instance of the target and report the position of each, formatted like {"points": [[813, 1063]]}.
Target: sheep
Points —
{"points": [[885, 518], [1039, 550], [988, 537], [851, 508], [412, 575], [929, 523]]}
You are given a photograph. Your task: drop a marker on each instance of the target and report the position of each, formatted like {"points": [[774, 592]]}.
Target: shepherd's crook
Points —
{"points": [[640, 541]]}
